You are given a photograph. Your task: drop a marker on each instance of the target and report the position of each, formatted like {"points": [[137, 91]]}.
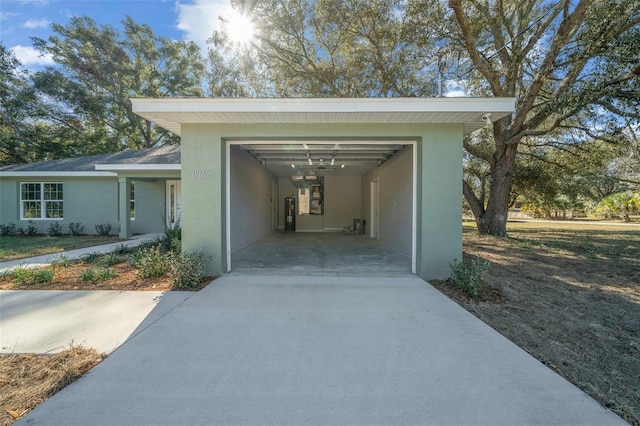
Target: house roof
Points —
{"points": [[171, 113], [101, 164]]}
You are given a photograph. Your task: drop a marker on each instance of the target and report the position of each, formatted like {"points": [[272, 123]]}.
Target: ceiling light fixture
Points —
{"points": [[342, 167], [310, 162], [293, 166], [333, 161]]}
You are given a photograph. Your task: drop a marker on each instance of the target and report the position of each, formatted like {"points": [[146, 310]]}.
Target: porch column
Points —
{"points": [[123, 205]]}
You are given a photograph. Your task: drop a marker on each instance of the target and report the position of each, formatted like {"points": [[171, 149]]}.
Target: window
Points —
{"points": [[132, 200], [41, 200]]}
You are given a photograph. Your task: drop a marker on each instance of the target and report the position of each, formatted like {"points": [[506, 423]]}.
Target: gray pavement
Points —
{"points": [[317, 350], [48, 321], [47, 259]]}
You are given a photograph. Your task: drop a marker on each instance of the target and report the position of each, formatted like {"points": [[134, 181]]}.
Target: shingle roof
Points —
{"points": [[168, 154]]}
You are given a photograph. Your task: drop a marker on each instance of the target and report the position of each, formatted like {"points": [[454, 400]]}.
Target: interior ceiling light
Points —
{"points": [[293, 166], [342, 167], [310, 162], [333, 161], [305, 146]]}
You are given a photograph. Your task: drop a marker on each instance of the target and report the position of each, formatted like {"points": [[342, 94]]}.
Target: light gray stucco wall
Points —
{"points": [[395, 188], [251, 191], [88, 201], [439, 186]]}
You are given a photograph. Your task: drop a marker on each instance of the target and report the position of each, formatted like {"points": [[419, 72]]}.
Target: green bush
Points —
{"points": [[32, 276], [172, 238], [32, 229], [8, 229], [111, 259], [76, 228], [54, 229], [62, 261], [103, 229], [90, 257], [151, 263], [187, 269], [101, 274], [469, 277]]}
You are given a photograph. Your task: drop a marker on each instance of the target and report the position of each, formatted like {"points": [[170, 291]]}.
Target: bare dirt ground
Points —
{"points": [[571, 298]]}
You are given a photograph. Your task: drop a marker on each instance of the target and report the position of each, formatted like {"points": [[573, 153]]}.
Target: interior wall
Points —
{"points": [[395, 179], [251, 190], [342, 195]]}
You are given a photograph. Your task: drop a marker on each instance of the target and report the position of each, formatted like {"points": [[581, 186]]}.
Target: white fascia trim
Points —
{"points": [[56, 174], [138, 167], [319, 105]]}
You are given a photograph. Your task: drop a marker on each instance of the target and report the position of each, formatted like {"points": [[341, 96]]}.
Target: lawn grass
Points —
{"points": [[19, 247]]}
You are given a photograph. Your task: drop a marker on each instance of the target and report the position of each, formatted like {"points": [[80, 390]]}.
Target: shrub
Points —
{"points": [[151, 263], [8, 229], [110, 259], [187, 269], [172, 238], [54, 229], [469, 277], [93, 274], [90, 257], [121, 248], [32, 276], [76, 228], [62, 261], [32, 229], [103, 229]]}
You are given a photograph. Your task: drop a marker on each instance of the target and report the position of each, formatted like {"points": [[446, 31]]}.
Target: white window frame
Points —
{"points": [[42, 200]]}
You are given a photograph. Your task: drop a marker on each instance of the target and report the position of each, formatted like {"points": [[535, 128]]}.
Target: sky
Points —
{"points": [[20, 20]]}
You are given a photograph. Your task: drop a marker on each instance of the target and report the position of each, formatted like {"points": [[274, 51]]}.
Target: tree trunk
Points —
{"points": [[494, 219]]}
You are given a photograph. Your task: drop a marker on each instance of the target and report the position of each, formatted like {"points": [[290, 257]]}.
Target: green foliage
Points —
{"points": [[31, 229], [54, 229], [151, 263], [8, 229], [91, 257], [62, 261], [103, 229], [76, 228], [172, 238], [97, 274], [469, 277], [187, 269], [623, 204], [100, 68], [111, 259], [122, 249], [32, 276]]}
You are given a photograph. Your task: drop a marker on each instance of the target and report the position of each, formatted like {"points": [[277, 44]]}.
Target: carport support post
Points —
{"points": [[123, 205]]}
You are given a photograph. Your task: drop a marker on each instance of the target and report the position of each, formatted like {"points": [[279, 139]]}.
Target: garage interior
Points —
{"points": [[353, 209]]}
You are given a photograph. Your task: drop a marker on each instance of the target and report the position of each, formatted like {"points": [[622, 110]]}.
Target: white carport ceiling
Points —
{"points": [[172, 113], [322, 158]]}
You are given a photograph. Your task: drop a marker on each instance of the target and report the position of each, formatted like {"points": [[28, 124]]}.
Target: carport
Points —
{"points": [[395, 163]]}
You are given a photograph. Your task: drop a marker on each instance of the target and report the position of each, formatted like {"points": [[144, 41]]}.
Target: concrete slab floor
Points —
{"points": [[320, 253]]}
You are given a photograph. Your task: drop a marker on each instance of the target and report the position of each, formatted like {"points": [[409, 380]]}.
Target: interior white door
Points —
{"points": [[173, 203], [375, 210]]}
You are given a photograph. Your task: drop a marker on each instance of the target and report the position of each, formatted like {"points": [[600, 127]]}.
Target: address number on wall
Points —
{"points": [[201, 174]]}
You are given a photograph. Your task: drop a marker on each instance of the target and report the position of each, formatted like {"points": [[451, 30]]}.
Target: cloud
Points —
{"points": [[198, 19], [5, 16], [36, 23], [29, 56]]}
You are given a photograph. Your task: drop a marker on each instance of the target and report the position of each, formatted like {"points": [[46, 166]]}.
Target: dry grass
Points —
{"points": [[27, 380], [571, 299]]}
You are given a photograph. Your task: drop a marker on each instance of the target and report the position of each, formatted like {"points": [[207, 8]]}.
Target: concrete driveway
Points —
{"points": [[310, 350]]}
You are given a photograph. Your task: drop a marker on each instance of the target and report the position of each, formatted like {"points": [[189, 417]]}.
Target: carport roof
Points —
{"points": [[171, 113]]}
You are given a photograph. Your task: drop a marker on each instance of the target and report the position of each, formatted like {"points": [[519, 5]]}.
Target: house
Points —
{"points": [[250, 167], [395, 163], [86, 190]]}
